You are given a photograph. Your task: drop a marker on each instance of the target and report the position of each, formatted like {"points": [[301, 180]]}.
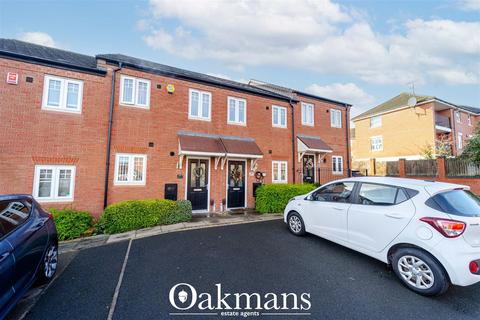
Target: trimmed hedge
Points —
{"points": [[273, 198], [71, 224], [137, 214]]}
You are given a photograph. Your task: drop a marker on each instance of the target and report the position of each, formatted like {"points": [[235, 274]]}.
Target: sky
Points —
{"points": [[363, 52]]}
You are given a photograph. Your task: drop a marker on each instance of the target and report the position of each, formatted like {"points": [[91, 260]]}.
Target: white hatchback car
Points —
{"points": [[429, 232]]}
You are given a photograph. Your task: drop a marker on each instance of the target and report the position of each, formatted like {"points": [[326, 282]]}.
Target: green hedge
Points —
{"points": [[273, 198], [137, 214], [71, 224]]}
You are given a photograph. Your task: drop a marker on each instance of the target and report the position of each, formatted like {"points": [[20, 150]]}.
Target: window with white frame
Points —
{"points": [[307, 114], [279, 116], [279, 172], [457, 117], [200, 105], [62, 94], [130, 169], [469, 119], [337, 164], [134, 92], [237, 111], [335, 118], [460, 140], [376, 143], [54, 182], [376, 122]]}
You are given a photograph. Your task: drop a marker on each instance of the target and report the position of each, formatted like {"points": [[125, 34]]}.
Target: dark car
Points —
{"points": [[28, 248]]}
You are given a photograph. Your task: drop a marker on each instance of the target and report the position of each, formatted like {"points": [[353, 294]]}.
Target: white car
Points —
{"points": [[429, 232]]}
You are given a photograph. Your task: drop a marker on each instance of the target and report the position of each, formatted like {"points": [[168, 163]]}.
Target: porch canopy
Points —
{"points": [[220, 147], [311, 144]]}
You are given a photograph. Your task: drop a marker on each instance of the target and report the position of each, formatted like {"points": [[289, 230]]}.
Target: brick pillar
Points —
{"points": [[372, 168], [401, 168], [441, 168]]}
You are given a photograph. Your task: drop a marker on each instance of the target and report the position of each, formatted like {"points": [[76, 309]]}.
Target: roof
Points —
{"points": [[402, 101], [161, 69], [314, 143], [291, 92], [35, 53]]}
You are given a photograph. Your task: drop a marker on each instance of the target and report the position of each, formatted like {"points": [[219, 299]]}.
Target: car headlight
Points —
{"points": [[291, 199]]}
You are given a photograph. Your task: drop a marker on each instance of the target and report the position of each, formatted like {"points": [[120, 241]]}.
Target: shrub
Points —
{"points": [[273, 198], [137, 214], [71, 224]]}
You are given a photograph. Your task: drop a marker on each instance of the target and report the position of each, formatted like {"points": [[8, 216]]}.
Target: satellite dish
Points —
{"points": [[412, 102]]}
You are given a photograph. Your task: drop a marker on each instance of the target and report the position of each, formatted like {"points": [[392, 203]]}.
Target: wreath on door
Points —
{"points": [[309, 164], [199, 172], [236, 174]]}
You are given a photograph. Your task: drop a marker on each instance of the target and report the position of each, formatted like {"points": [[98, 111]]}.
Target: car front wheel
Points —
{"points": [[420, 272], [295, 224], [48, 266]]}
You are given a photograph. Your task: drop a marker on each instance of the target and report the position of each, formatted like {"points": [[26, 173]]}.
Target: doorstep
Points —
{"points": [[196, 223]]}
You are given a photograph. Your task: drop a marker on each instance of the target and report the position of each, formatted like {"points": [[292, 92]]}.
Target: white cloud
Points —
{"points": [[40, 38], [470, 5], [319, 36], [347, 92]]}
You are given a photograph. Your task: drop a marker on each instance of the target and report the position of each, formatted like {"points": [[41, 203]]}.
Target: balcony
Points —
{"points": [[442, 124]]}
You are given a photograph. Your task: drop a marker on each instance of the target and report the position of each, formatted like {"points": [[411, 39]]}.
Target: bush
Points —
{"points": [[273, 198], [71, 224], [137, 214]]}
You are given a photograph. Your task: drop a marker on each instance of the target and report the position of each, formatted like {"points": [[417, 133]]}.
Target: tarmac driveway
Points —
{"points": [[260, 257]]}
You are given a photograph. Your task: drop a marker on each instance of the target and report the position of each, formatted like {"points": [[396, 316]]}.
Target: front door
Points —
{"points": [[197, 183], [236, 184], [308, 168]]}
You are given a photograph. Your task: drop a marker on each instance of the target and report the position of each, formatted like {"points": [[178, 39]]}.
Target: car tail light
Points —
{"points": [[50, 216], [448, 228], [474, 267]]}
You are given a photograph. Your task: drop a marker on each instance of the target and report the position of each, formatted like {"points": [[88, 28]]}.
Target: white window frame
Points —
{"points": [[237, 111], [306, 108], [279, 118], [338, 161], [376, 122], [469, 119], [376, 149], [458, 117], [335, 115], [460, 140], [134, 102], [62, 107], [200, 105], [131, 163], [279, 172], [55, 183]]}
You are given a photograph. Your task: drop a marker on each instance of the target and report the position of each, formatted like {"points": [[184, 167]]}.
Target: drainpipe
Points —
{"points": [[293, 139], [347, 128], [109, 135]]}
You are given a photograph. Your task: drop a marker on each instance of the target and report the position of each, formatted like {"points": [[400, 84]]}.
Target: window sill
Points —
{"points": [[135, 106], [51, 200], [62, 110], [237, 124], [279, 127], [129, 184], [199, 119]]}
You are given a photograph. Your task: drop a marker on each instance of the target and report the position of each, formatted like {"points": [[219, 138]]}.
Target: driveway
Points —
{"points": [[259, 258]]}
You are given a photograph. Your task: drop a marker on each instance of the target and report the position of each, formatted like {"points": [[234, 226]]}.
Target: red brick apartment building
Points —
{"points": [[82, 131]]}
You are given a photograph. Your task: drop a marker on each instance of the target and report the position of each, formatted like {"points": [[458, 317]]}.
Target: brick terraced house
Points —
{"points": [[82, 131]]}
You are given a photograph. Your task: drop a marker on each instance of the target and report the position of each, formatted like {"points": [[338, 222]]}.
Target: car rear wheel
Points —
{"points": [[420, 272], [295, 224], [49, 264]]}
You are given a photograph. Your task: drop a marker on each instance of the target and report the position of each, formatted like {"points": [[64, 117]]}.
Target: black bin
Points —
{"points": [[255, 187], [171, 191]]}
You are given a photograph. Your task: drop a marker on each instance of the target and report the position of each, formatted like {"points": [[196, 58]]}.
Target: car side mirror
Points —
{"points": [[310, 197]]}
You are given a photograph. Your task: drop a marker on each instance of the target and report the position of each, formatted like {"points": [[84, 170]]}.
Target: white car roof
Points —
{"points": [[430, 186]]}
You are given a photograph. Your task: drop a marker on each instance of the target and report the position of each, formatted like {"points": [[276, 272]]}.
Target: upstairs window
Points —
{"points": [[135, 92], [237, 111], [457, 117], [469, 119], [200, 105], [460, 140], [279, 117], [337, 165], [54, 183], [62, 94], [376, 143], [376, 122], [335, 118], [130, 169], [307, 114]]}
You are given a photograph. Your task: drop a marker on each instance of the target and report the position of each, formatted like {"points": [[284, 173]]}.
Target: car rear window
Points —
{"points": [[12, 214], [456, 202]]}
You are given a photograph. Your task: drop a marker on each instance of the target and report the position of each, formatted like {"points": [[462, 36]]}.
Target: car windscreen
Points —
{"points": [[456, 202]]}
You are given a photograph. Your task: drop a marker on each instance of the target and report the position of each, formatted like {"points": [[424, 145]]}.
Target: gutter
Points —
{"points": [[109, 135], [293, 139], [347, 138]]}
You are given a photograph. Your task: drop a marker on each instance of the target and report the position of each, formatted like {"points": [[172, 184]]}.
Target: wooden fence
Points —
{"points": [[421, 168], [459, 168]]}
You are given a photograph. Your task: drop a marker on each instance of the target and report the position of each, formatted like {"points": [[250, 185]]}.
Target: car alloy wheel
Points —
{"points": [[415, 272], [295, 224], [50, 261]]}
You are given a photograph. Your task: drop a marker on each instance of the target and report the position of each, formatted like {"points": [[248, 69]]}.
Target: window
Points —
{"points": [[279, 116], [200, 105], [460, 140], [279, 172], [335, 192], [335, 118], [376, 143], [376, 122], [380, 195], [469, 119], [12, 214], [134, 92], [307, 114], [237, 111], [456, 202], [54, 183], [130, 169], [337, 165], [457, 117], [62, 94]]}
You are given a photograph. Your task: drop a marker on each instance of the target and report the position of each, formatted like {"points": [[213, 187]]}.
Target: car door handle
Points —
{"points": [[338, 209], [394, 215], [4, 256]]}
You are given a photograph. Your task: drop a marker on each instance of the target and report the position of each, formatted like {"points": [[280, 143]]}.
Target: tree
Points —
{"points": [[472, 149], [442, 148]]}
